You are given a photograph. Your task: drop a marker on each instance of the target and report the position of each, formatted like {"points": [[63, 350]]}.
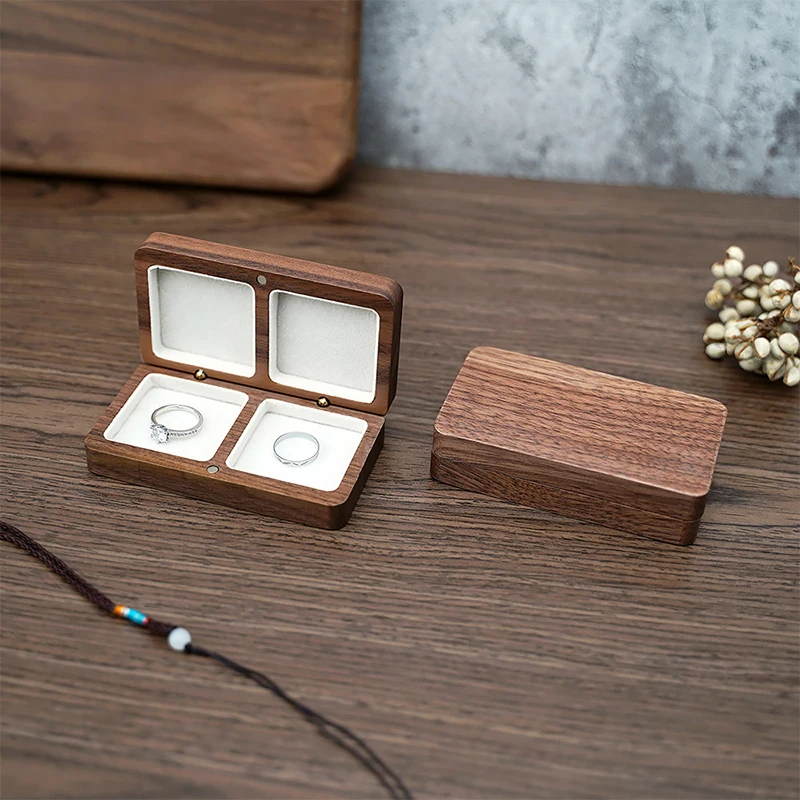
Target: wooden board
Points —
{"points": [[578, 442], [252, 93], [486, 649]]}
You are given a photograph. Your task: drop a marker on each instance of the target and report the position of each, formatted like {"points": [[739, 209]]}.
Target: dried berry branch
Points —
{"points": [[759, 316]]}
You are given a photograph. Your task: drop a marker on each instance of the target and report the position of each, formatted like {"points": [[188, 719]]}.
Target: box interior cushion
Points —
{"points": [[219, 406], [202, 320], [323, 346], [338, 435]]}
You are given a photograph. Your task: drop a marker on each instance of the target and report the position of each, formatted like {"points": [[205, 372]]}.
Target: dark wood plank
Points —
{"points": [[486, 649], [308, 38], [254, 94]]}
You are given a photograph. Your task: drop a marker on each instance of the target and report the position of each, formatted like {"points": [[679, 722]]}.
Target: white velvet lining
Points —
{"points": [[202, 320], [220, 407], [322, 346], [339, 437]]}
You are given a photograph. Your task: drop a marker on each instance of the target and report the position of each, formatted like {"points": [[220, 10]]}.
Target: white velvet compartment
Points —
{"points": [[339, 437], [202, 320], [323, 346], [220, 407]]}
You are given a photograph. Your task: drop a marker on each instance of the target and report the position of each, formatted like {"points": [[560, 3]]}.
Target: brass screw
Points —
{"points": [[323, 402], [200, 374], [262, 279]]}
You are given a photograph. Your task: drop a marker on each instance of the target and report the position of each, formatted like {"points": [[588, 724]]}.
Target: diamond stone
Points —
{"points": [[159, 433]]}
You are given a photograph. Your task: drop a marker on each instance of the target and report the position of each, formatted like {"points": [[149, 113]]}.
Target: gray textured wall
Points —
{"points": [[690, 94]]}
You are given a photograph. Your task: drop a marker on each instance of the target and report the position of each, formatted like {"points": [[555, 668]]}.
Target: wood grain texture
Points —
{"points": [[383, 295], [486, 649], [254, 93], [579, 442], [230, 487], [483, 477]]}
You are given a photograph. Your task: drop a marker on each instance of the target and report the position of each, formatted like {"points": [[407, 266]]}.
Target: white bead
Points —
{"points": [[717, 270], [797, 277], [715, 350], [746, 307], [775, 349], [750, 292], [779, 285], [723, 285], [734, 251], [792, 377], [733, 267], [796, 298], [750, 364], [792, 314], [732, 333], [788, 343], [774, 367], [715, 332], [761, 346], [770, 269], [714, 299], [728, 314], [178, 638], [753, 272], [744, 351], [750, 331]]}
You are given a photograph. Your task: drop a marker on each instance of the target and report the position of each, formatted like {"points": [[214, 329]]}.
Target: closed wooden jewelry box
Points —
{"points": [[597, 447], [261, 345]]}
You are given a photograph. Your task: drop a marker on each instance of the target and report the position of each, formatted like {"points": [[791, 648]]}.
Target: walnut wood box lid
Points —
{"points": [[303, 329], [623, 453]]}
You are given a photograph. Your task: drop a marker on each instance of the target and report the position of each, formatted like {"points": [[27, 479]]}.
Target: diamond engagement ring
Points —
{"points": [[162, 434], [307, 453]]}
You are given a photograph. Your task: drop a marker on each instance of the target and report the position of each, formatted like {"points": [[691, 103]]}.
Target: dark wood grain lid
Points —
{"points": [[612, 438], [297, 327]]}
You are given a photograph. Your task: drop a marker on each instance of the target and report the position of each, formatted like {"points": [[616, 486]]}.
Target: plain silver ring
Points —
{"points": [[162, 434], [300, 462]]}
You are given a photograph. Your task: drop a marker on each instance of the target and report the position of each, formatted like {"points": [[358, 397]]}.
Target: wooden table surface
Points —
{"points": [[485, 649]]}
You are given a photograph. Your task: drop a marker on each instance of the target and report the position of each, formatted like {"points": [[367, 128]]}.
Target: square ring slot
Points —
{"points": [[220, 408], [323, 346], [202, 320], [338, 435]]}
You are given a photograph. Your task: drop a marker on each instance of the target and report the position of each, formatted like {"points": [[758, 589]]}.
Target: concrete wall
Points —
{"points": [[688, 94]]}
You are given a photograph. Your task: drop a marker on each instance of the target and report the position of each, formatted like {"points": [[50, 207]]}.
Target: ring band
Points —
{"points": [[162, 434], [296, 462]]}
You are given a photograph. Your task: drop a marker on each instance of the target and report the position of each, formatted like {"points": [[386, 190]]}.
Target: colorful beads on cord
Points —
{"points": [[131, 614]]}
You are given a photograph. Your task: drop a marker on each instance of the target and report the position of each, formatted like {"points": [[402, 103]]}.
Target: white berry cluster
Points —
{"points": [[759, 312]]}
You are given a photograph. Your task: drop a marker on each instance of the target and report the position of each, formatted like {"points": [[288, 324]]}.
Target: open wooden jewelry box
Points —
{"points": [[261, 345]]}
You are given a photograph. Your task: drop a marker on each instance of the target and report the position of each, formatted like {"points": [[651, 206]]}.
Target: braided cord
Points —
{"points": [[13, 535], [341, 736]]}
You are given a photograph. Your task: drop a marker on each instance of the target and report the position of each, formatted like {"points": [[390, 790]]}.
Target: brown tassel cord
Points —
{"points": [[179, 639]]}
